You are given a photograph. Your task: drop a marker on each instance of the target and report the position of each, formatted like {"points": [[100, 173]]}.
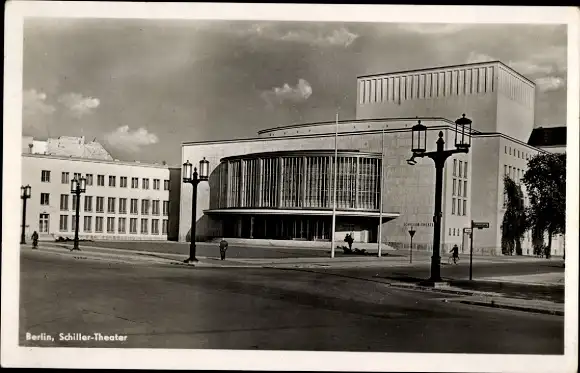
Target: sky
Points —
{"points": [[142, 87]]}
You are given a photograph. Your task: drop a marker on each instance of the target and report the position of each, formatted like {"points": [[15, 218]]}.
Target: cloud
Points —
{"points": [[34, 103], [433, 28], [541, 63], [475, 57], [301, 92], [122, 138], [320, 38], [550, 83], [79, 105]]}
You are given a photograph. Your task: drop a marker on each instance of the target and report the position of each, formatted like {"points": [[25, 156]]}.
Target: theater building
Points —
{"points": [[277, 188]]}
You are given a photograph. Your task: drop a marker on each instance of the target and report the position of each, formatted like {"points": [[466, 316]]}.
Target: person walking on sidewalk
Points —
{"points": [[34, 240], [223, 248], [455, 253]]}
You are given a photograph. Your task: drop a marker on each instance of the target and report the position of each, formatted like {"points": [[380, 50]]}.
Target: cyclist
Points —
{"points": [[455, 253]]}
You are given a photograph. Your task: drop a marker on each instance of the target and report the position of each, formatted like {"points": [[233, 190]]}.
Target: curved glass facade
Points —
{"points": [[300, 180]]}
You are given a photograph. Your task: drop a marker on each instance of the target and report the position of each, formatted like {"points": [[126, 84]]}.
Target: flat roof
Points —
{"points": [[497, 62], [317, 152], [71, 158], [317, 124], [499, 134]]}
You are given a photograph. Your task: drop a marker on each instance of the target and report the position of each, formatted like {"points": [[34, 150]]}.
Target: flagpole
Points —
{"points": [[334, 189], [380, 235]]}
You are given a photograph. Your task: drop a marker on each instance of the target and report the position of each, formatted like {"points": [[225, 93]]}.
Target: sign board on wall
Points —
{"points": [[418, 224]]}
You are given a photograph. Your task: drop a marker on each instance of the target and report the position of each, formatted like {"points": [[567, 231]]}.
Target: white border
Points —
{"points": [[269, 360]]}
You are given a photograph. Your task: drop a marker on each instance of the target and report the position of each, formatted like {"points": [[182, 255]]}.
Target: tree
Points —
{"points": [[514, 224], [545, 182]]}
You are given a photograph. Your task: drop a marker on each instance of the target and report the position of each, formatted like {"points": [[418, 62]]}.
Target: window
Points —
{"points": [[100, 204], [44, 199], [122, 205], [459, 192], [455, 167], [454, 186], [144, 226], [450, 231], [77, 176], [464, 207], [45, 176], [518, 153], [89, 179], [145, 183], [133, 225], [122, 226], [165, 184], [164, 226], [459, 206], [99, 224], [88, 203], [510, 171], [460, 168], [100, 180], [134, 182], [65, 178], [110, 225], [74, 202], [505, 170], [145, 207], [111, 205], [465, 189], [165, 208], [112, 181], [510, 150], [63, 223], [87, 224], [63, 202], [155, 208], [156, 184], [43, 223], [123, 182], [73, 221], [465, 170], [453, 206], [155, 226], [134, 208], [505, 150]]}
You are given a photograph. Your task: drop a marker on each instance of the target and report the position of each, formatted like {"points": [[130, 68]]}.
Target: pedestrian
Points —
{"points": [[455, 251], [34, 240], [223, 248], [348, 239]]}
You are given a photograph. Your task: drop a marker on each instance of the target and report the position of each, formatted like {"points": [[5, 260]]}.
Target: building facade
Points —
{"points": [[268, 179], [123, 200]]}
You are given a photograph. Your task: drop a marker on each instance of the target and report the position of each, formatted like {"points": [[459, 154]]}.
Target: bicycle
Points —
{"points": [[451, 260]]}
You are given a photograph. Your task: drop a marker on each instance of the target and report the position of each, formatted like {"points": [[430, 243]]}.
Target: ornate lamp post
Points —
{"points": [[76, 188], [24, 195], [194, 179], [418, 147]]}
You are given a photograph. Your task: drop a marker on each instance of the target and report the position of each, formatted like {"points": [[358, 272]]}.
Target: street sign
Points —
{"points": [[480, 225], [411, 232], [466, 230]]}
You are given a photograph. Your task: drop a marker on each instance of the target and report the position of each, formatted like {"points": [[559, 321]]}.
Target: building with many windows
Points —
{"points": [[277, 188], [123, 200]]}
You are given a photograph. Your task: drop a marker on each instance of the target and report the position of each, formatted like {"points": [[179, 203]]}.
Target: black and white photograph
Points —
{"points": [[290, 187]]}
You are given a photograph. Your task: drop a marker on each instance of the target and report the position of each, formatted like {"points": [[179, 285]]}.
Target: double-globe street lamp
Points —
{"points": [[77, 186], [419, 147], [24, 195], [194, 179]]}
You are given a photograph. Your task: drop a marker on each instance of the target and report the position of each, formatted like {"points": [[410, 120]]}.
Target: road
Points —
{"points": [[260, 308]]}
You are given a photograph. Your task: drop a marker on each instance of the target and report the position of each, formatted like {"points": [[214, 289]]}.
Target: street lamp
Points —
{"points": [[194, 179], [77, 186], [418, 148], [24, 195]]}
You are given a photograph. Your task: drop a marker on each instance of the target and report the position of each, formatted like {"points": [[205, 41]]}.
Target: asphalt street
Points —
{"points": [[259, 308]]}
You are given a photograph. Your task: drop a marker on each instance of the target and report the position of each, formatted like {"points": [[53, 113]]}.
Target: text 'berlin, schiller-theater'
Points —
{"points": [[278, 188]]}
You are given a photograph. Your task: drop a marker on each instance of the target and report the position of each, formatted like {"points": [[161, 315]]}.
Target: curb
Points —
{"points": [[511, 307]]}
